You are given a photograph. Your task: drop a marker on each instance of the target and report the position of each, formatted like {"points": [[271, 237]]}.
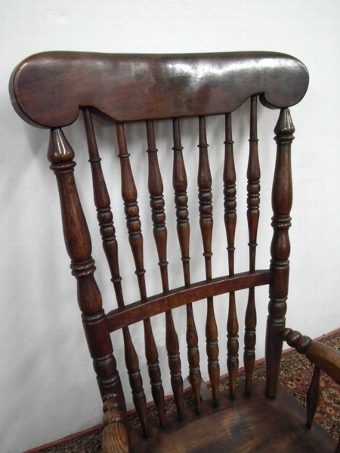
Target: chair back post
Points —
{"points": [[78, 246], [282, 197]]}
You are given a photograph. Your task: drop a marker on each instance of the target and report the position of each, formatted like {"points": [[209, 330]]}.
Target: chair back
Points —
{"points": [[49, 90]]}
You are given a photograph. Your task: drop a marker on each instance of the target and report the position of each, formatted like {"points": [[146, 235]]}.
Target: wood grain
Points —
{"points": [[246, 425], [47, 89]]}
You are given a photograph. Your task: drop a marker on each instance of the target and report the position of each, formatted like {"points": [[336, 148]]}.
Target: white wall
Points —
{"points": [[47, 386]]}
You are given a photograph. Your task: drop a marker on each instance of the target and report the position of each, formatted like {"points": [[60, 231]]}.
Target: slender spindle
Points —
{"points": [[155, 185], [204, 183], [129, 195], [107, 230], [253, 214], [280, 248], [313, 397], [230, 218], [183, 231]]}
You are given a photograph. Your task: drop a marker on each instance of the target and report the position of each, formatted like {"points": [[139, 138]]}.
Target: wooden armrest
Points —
{"points": [[115, 436], [323, 357]]}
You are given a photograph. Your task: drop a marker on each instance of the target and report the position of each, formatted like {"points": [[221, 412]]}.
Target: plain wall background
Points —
{"points": [[47, 386]]}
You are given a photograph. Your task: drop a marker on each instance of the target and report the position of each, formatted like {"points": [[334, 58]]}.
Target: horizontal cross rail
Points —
{"points": [[140, 310]]}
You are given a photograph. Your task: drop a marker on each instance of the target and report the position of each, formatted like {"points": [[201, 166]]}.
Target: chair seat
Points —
{"points": [[250, 424]]}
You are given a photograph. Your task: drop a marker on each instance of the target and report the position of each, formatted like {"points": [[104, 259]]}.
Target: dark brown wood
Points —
{"points": [[253, 186], [78, 245], [233, 345], [155, 185], [229, 179], [175, 298], [48, 90], [313, 397], [102, 203], [129, 195], [242, 426], [323, 358], [179, 181], [253, 214], [280, 248], [319, 354], [107, 229], [230, 219], [204, 182]]}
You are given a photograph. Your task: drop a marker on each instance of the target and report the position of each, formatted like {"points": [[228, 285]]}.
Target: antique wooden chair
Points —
{"points": [[48, 90]]}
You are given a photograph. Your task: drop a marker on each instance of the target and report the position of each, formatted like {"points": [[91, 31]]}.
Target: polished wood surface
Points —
{"points": [[177, 297], [282, 198], [253, 215], [180, 183], [245, 425], [49, 90]]}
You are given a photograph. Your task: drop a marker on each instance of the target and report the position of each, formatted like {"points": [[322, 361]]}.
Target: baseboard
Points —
{"points": [[64, 440]]}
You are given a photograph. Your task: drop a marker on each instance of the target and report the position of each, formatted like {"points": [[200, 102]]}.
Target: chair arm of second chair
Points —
{"points": [[323, 358]]}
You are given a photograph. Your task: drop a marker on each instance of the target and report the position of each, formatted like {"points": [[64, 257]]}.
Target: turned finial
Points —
{"points": [[296, 340], [59, 149], [284, 128]]}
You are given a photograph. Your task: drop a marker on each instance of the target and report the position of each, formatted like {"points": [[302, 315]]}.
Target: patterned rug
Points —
{"points": [[296, 382]]}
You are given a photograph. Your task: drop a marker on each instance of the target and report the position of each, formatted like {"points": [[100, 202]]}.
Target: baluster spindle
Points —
{"points": [[129, 195], [253, 214], [204, 183], [107, 230], [313, 397], [78, 246], [230, 218], [155, 185], [280, 248], [183, 231]]}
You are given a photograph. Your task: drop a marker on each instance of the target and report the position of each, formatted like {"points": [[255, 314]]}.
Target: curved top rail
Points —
{"points": [[47, 89]]}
